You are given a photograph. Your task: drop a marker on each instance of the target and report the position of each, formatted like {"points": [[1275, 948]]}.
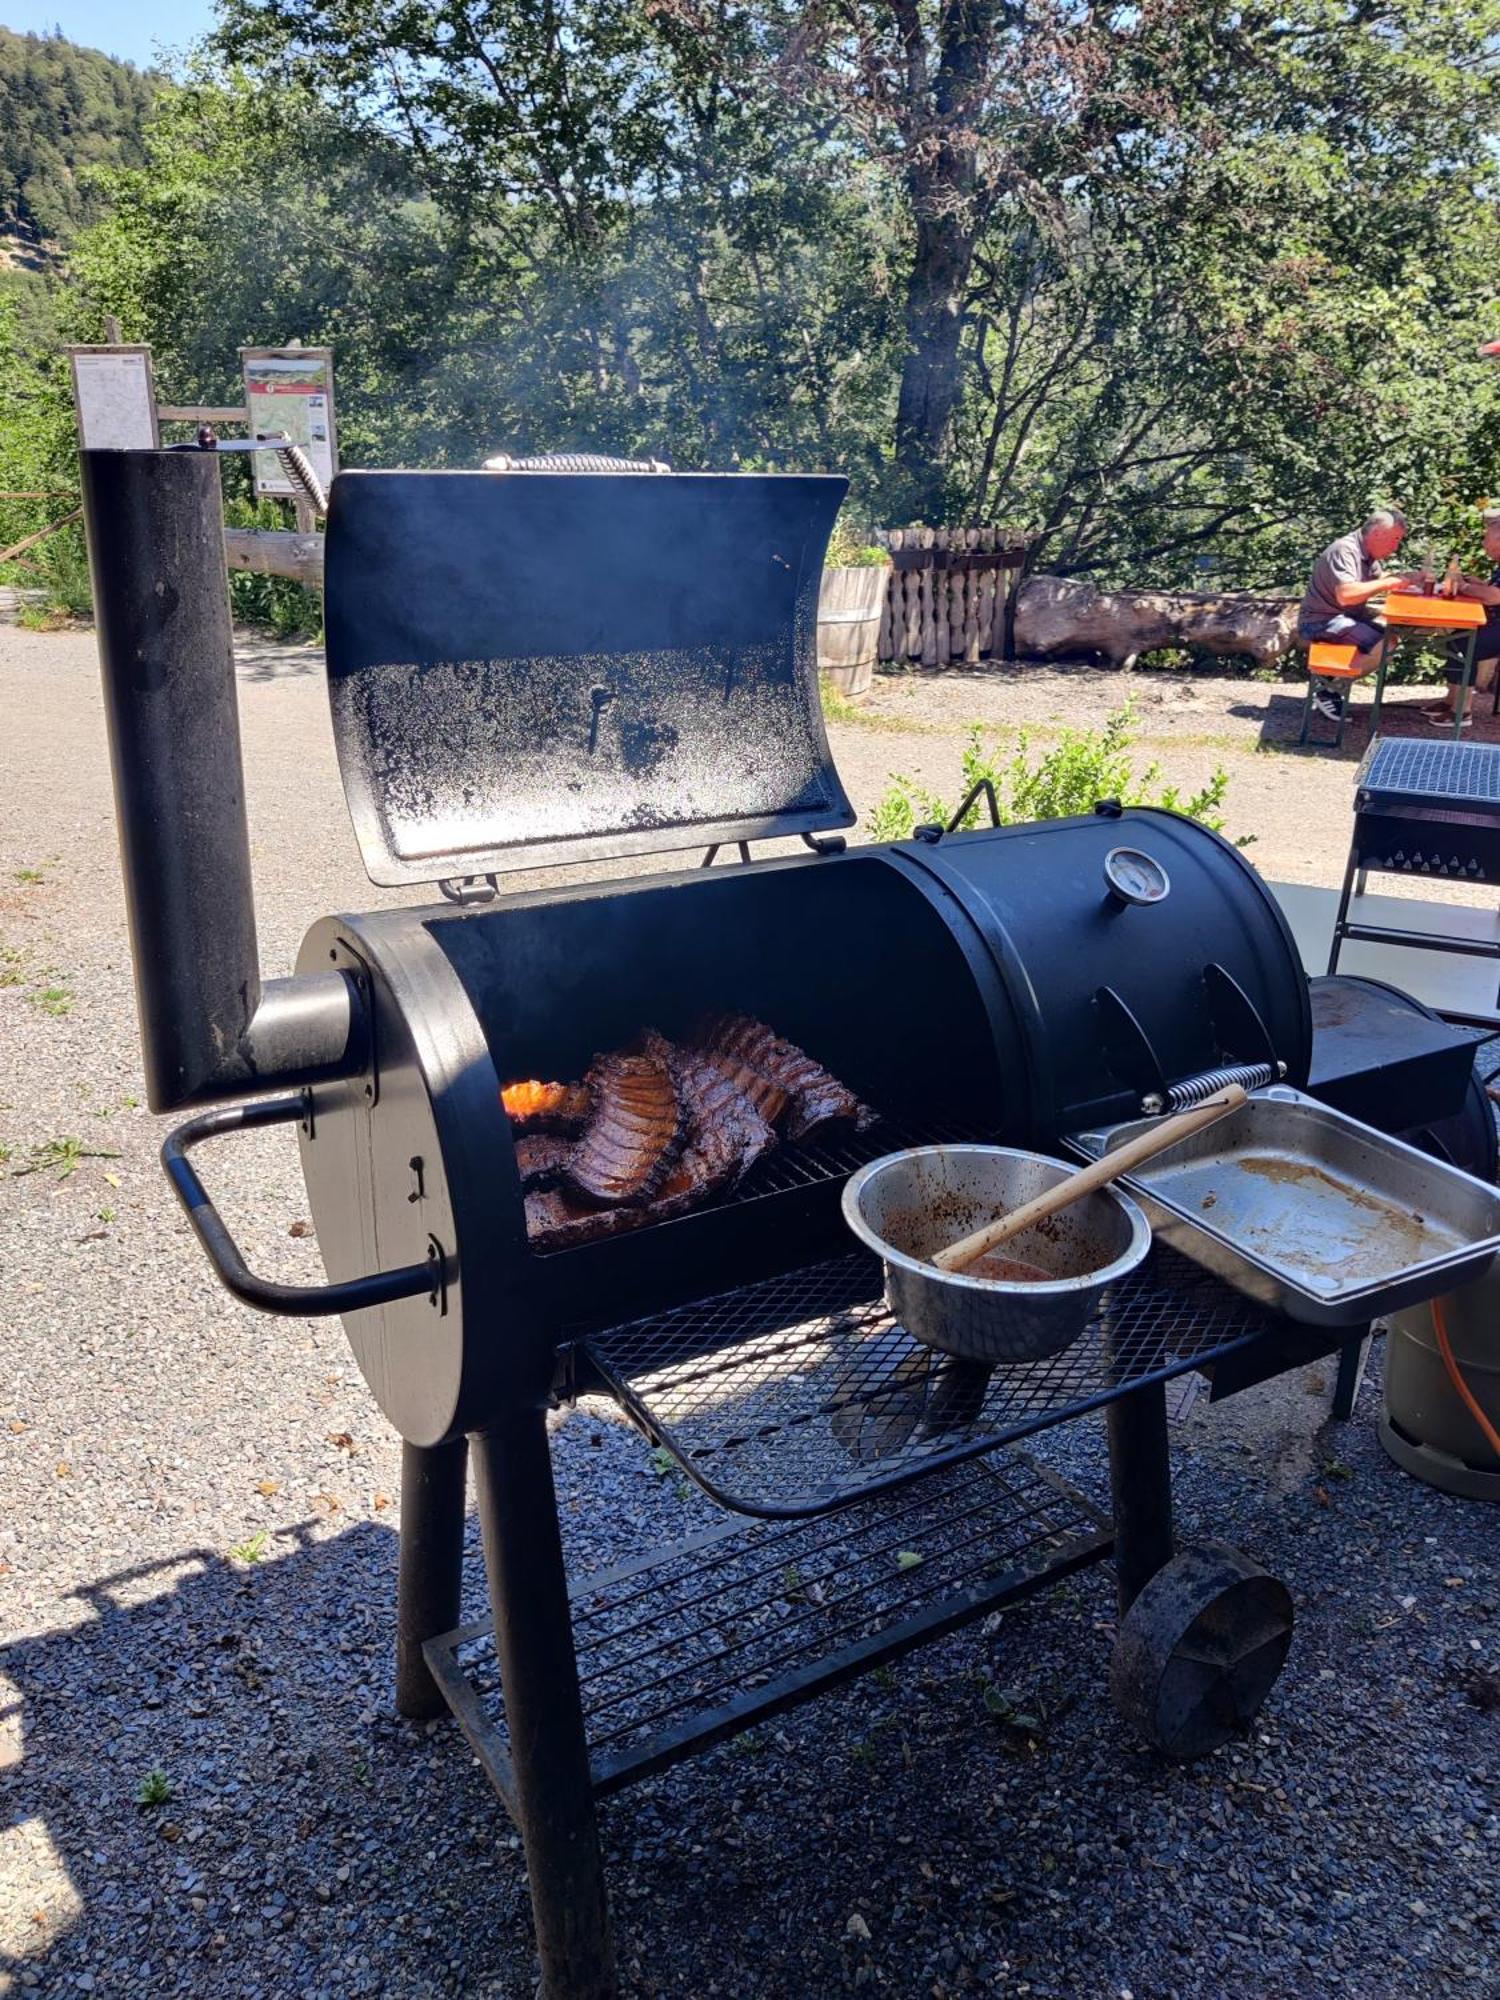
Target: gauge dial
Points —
{"points": [[1134, 877]]}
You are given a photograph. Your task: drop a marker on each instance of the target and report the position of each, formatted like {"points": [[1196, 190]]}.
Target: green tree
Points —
{"points": [[63, 110]]}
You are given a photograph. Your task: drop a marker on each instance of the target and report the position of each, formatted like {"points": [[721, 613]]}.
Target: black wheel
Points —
{"points": [[1200, 1649]]}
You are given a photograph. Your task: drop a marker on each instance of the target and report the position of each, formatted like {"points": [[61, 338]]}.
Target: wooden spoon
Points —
{"points": [[959, 1256]]}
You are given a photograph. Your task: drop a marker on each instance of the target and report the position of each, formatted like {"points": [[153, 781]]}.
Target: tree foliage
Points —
{"points": [[1182, 290], [63, 110]]}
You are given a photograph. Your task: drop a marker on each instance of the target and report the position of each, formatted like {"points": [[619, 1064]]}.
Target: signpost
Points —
{"points": [[289, 393]]}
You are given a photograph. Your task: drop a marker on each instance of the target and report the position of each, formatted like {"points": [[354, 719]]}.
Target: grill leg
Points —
{"points": [[1140, 1479], [1336, 944], [554, 1795], [430, 1577]]}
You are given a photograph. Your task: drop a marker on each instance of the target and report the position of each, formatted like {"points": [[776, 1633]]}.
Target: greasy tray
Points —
{"points": [[1312, 1212]]}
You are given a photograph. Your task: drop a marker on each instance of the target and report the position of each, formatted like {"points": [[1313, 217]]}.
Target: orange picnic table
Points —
{"points": [[1406, 611]]}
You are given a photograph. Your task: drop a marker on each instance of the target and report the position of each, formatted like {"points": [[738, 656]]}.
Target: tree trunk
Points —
{"points": [[947, 207], [931, 370]]}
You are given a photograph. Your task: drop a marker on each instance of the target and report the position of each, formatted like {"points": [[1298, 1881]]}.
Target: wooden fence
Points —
{"points": [[949, 596]]}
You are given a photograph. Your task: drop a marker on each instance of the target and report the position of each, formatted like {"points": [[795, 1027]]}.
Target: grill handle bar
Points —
{"points": [[291, 1301]]}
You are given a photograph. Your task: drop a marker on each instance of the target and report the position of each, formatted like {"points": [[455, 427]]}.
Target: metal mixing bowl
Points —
{"points": [[908, 1206]]}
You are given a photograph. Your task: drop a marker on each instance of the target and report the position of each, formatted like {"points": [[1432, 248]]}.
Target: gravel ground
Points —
{"points": [[197, 1548]]}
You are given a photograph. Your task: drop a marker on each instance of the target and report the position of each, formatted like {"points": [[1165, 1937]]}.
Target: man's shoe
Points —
{"points": [[1326, 705], [1443, 718]]}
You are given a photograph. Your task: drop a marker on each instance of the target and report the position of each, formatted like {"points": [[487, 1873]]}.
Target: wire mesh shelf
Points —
{"points": [[684, 1646], [800, 1393]]}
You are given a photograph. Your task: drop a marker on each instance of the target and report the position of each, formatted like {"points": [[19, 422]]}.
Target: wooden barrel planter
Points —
{"points": [[850, 603]]}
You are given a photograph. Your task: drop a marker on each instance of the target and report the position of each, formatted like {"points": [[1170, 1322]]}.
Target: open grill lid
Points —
{"points": [[530, 671]]}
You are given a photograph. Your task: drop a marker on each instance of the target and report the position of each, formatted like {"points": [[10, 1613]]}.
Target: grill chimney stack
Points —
{"points": [[209, 1028]]}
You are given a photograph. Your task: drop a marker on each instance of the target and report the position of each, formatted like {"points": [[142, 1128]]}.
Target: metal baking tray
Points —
{"points": [[1309, 1211]]}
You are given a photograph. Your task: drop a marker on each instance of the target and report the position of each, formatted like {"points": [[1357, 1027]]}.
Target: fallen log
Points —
{"points": [[1058, 618], [276, 552]]}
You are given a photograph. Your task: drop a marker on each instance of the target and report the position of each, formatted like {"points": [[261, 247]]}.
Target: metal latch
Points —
{"points": [[470, 888]]}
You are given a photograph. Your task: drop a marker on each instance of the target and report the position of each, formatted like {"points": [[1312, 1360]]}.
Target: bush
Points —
{"points": [[848, 549], [59, 568], [1082, 767]]}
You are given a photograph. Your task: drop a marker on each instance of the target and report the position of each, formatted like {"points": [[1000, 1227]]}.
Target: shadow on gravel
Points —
{"points": [[972, 1821], [262, 659], [205, 1787], [1280, 718]]}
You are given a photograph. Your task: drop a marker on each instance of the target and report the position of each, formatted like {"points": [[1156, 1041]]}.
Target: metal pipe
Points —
{"points": [[155, 530], [543, 1708], [430, 1578], [1140, 1479]]}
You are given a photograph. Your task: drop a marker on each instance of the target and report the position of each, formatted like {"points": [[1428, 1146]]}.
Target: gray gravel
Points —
{"points": [[894, 1837]]}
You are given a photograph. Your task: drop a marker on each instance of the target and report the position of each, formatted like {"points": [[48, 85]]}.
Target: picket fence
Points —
{"points": [[949, 592]]}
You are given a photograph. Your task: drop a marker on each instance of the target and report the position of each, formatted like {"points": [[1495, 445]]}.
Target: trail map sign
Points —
{"points": [[115, 398], [289, 393]]}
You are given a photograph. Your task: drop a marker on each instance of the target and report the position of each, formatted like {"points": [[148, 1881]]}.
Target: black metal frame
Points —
{"points": [[1466, 833], [540, 1728], [786, 1399]]}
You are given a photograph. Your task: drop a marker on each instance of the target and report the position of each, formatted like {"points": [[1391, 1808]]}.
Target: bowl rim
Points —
{"points": [[919, 1267]]}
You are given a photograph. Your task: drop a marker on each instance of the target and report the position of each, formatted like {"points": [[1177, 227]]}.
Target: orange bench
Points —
{"points": [[1333, 663]]}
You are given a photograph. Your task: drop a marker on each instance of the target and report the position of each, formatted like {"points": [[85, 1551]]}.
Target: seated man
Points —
{"points": [[1345, 579], [1486, 639]]}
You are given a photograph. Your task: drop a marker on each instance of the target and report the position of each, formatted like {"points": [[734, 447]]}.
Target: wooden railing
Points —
{"points": [[949, 596]]}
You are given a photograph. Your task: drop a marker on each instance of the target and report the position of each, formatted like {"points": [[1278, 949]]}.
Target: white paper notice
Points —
{"points": [[115, 410]]}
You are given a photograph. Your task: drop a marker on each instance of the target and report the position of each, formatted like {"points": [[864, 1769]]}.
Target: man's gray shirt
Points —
{"points": [[1343, 561]]}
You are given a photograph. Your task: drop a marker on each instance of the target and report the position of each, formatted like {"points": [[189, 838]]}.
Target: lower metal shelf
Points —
{"points": [[785, 1398], [687, 1645]]}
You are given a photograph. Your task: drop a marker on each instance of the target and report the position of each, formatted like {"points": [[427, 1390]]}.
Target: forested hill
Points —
{"points": [[62, 109]]}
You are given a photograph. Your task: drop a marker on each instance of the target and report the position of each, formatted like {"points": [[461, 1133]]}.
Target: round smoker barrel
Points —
{"points": [[1424, 1426], [1111, 996]]}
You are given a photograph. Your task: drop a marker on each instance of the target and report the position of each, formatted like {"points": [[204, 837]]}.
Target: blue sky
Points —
{"points": [[133, 29]]}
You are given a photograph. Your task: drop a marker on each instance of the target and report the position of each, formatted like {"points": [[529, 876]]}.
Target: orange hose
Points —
{"points": [[1466, 1394]]}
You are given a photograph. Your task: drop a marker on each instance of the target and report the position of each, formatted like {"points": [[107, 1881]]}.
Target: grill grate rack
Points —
{"points": [[685, 1646], [801, 1393]]}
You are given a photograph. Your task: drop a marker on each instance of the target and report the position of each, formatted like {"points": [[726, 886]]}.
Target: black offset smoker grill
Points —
{"points": [[1004, 985]]}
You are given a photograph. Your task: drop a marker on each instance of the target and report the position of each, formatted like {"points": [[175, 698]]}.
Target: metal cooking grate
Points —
{"points": [[793, 1167], [801, 1393], [686, 1645], [804, 1166], [1466, 772]]}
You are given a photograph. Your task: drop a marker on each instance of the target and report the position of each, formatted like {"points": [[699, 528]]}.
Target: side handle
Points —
{"points": [[292, 1301]]}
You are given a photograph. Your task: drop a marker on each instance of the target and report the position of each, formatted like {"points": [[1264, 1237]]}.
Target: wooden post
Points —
{"points": [[912, 649], [275, 552], [971, 601], [946, 578], [985, 618], [928, 651], [888, 615]]}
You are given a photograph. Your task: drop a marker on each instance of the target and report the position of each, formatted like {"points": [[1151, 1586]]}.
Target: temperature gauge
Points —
{"points": [[1133, 877]]}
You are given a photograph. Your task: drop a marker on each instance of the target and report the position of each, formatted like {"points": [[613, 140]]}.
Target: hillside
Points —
{"points": [[63, 109]]}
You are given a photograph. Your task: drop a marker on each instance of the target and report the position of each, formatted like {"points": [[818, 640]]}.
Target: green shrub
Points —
{"points": [[849, 549], [1082, 767], [59, 567]]}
